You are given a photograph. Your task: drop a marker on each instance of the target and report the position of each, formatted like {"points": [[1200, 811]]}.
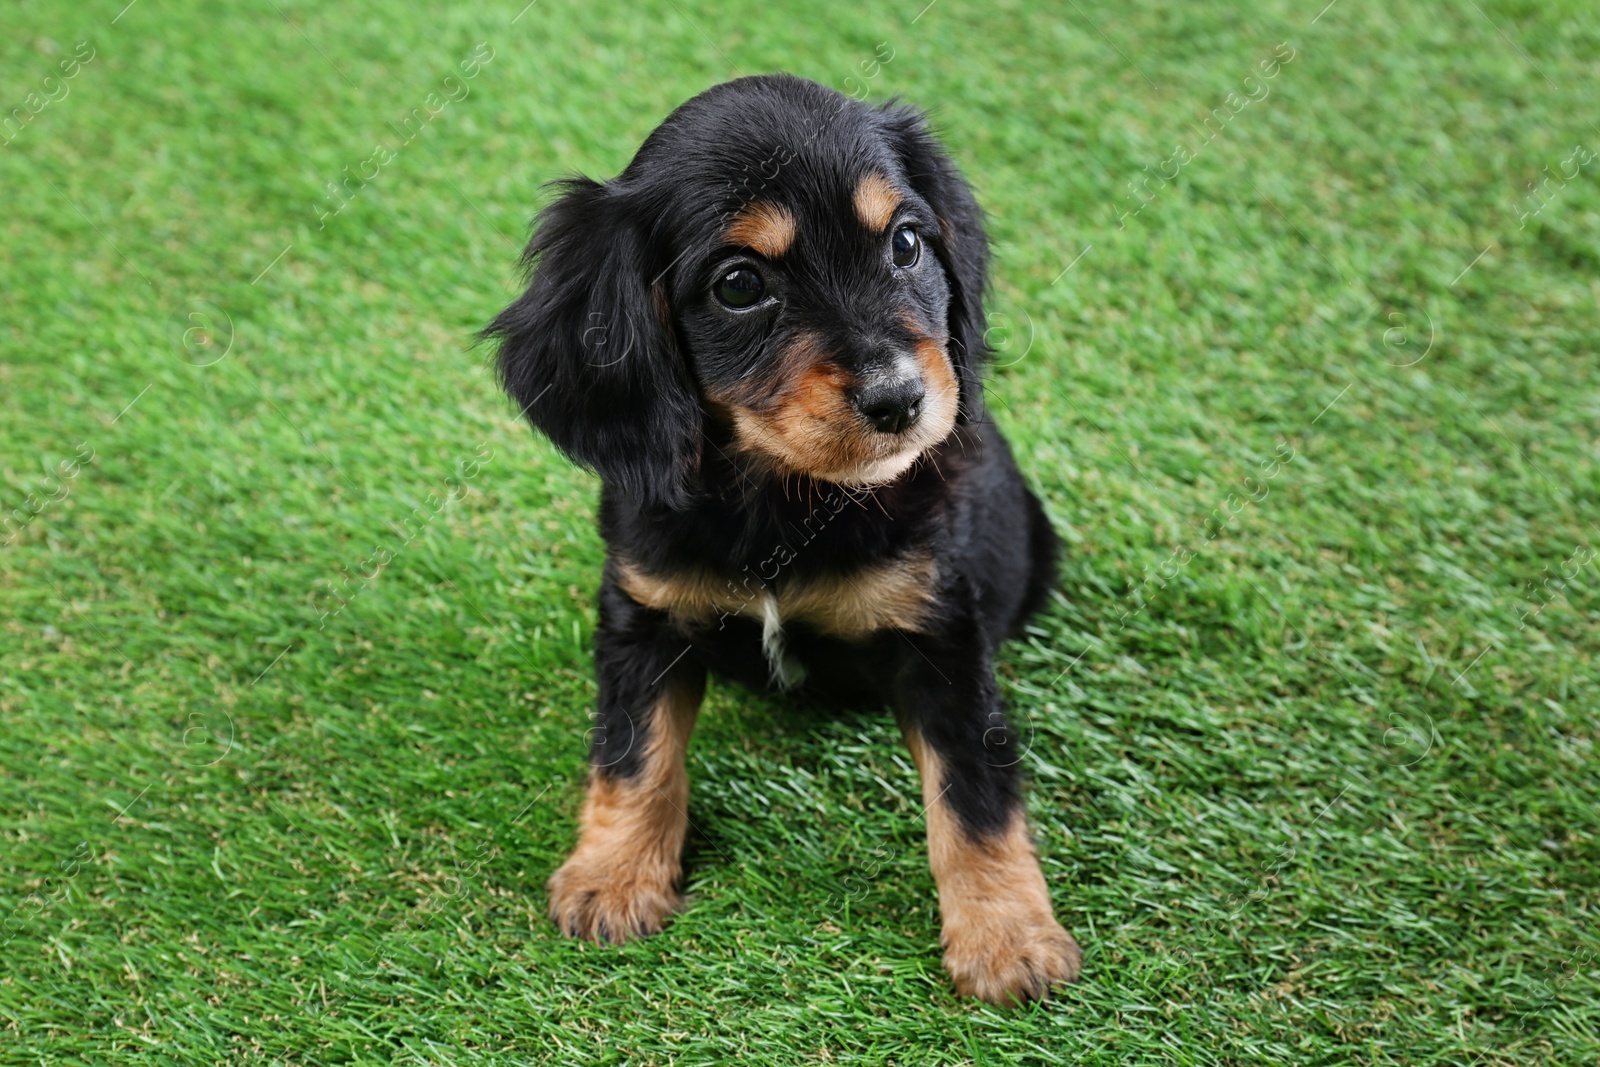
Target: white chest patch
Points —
{"points": [[787, 671]]}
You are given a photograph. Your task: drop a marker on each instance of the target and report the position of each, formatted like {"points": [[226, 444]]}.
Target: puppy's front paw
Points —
{"points": [[1005, 962], [609, 899]]}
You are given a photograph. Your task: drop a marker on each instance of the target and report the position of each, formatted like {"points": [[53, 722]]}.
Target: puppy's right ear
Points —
{"points": [[589, 354]]}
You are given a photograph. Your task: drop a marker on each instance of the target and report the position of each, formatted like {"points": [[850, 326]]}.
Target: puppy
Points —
{"points": [[766, 336]]}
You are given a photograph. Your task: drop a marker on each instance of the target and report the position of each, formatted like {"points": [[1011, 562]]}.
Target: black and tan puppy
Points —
{"points": [[765, 335]]}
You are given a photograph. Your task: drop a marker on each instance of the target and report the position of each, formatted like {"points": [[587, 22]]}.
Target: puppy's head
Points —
{"points": [[780, 268]]}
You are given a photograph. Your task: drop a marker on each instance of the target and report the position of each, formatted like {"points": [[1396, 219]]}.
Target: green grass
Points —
{"points": [[1315, 786]]}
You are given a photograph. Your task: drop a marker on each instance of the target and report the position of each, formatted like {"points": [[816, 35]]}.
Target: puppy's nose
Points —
{"points": [[891, 406]]}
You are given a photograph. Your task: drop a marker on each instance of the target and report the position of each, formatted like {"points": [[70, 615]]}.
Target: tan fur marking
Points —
{"points": [[761, 392], [688, 598], [896, 594], [812, 429], [1001, 941], [807, 424], [938, 376], [766, 227], [621, 880], [797, 418], [820, 390], [875, 202]]}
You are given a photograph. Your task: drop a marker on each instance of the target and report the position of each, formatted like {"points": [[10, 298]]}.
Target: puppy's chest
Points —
{"points": [[891, 594]]}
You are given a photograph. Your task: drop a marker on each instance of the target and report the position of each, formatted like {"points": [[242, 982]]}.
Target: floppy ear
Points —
{"points": [[962, 246], [588, 351]]}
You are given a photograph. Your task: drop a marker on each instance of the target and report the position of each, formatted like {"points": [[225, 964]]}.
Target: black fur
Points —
{"points": [[616, 346]]}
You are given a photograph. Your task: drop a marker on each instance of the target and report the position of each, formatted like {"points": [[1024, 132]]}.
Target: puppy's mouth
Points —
{"points": [[856, 430]]}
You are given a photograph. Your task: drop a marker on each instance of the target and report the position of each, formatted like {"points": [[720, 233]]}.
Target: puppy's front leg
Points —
{"points": [[622, 879], [1000, 939]]}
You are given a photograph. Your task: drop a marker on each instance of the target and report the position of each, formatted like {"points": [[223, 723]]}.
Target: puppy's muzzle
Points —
{"points": [[891, 405]]}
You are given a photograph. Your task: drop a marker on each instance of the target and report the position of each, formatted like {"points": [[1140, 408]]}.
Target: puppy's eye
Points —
{"points": [[904, 247], [741, 288]]}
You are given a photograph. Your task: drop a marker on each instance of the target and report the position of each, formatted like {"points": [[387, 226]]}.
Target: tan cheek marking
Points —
{"points": [[875, 202], [765, 227], [759, 392], [938, 374], [810, 427], [820, 392], [798, 417], [621, 880], [1000, 938], [896, 595]]}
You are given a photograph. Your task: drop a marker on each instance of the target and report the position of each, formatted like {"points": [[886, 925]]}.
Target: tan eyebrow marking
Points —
{"points": [[764, 227], [875, 202]]}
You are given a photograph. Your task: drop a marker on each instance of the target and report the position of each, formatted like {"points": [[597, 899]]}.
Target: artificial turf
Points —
{"points": [[296, 617]]}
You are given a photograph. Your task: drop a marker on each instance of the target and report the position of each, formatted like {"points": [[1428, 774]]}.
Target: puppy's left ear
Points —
{"points": [[962, 246], [589, 353]]}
